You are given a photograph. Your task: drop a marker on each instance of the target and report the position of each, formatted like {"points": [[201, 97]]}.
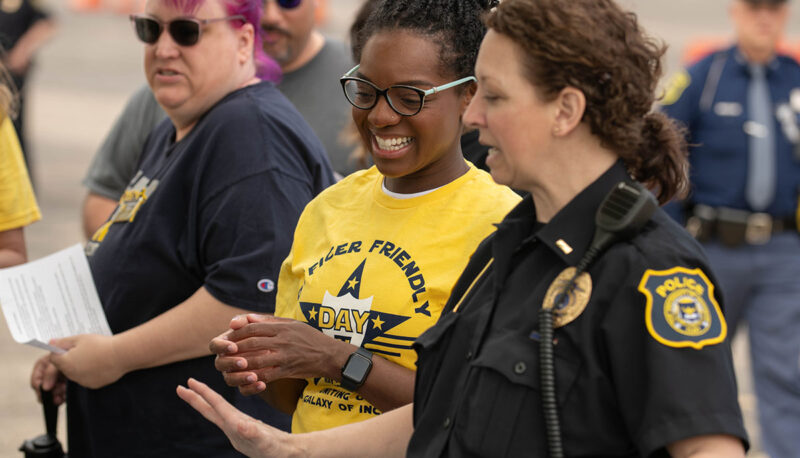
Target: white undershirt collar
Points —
{"points": [[397, 195]]}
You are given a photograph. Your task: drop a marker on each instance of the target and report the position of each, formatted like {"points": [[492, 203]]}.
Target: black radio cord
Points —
{"points": [[623, 212]]}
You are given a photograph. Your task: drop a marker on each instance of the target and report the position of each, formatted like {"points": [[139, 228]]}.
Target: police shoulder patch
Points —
{"points": [[681, 310], [675, 87]]}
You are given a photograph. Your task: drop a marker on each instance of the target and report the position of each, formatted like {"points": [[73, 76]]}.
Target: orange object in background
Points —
{"points": [[117, 6], [702, 46]]}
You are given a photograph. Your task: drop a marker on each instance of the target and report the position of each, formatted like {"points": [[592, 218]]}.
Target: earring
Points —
{"points": [[556, 130]]}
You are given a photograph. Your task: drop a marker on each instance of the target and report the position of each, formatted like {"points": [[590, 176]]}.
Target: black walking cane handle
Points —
{"points": [[50, 413], [46, 445]]}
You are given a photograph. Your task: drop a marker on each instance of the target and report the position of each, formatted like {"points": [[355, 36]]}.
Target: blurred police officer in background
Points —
{"points": [[742, 108]]}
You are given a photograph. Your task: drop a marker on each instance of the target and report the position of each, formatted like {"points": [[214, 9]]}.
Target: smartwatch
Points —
{"points": [[356, 369]]}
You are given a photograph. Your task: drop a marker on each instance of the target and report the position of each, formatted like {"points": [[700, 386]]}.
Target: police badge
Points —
{"points": [[568, 303], [681, 310]]}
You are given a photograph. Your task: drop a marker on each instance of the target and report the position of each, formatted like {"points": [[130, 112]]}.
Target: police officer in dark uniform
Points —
{"points": [[742, 108], [567, 334]]}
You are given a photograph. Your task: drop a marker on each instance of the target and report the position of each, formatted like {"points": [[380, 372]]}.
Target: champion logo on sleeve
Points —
{"points": [[265, 285]]}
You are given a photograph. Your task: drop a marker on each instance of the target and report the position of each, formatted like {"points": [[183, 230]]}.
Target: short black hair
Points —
{"points": [[457, 25]]}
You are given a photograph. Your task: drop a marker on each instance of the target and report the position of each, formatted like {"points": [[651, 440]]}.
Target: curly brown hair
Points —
{"points": [[596, 47]]}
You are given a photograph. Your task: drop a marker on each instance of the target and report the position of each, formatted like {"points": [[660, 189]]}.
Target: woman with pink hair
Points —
{"points": [[197, 237]]}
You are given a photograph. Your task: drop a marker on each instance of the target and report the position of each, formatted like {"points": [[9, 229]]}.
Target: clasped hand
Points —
{"points": [[262, 348]]}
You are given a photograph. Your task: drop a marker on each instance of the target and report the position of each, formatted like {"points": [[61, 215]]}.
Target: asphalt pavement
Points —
{"points": [[80, 84]]}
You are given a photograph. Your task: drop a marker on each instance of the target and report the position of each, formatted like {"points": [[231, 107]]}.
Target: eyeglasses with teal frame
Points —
{"points": [[404, 100]]}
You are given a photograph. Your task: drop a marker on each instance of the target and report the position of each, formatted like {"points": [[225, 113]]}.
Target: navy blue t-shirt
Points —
{"points": [[215, 210]]}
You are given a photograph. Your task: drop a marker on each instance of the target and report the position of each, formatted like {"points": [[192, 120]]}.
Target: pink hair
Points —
{"points": [[266, 67]]}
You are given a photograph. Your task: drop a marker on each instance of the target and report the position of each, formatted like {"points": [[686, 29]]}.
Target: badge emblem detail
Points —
{"points": [[568, 307], [681, 310]]}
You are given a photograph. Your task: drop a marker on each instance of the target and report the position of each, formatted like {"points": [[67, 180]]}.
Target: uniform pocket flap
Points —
{"points": [[516, 357], [432, 335]]}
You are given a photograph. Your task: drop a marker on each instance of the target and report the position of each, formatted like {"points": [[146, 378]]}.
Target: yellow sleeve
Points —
{"points": [[292, 276], [290, 281], [18, 206]]}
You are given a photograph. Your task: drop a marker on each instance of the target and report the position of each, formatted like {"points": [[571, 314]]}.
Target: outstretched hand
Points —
{"points": [[262, 348], [247, 435]]}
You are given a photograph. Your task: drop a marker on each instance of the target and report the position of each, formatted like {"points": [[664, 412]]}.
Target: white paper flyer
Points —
{"points": [[50, 298]]}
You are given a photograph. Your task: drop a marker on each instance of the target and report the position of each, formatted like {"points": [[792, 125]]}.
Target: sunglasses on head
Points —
{"points": [[184, 31]]}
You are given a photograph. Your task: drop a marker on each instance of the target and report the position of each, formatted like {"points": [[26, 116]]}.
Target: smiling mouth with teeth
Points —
{"points": [[392, 144]]}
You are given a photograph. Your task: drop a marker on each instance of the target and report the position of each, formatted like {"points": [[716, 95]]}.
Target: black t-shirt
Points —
{"points": [[16, 17], [645, 364], [215, 210]]}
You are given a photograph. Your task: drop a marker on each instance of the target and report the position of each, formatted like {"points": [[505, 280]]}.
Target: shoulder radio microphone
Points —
{"points": [[624, 212]]}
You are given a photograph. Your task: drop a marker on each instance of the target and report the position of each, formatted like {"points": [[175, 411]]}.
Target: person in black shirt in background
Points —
{"points": [[24, 27]]}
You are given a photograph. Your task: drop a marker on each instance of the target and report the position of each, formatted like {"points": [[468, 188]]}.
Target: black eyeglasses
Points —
{"points": [[184, 31], [289, 4], [404, 100]]}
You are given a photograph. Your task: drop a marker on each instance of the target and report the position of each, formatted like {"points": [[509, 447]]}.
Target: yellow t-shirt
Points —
{"points": [[17, 204], [376, 271]]}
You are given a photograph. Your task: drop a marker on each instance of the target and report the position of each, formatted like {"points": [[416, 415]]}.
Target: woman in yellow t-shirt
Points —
{"points": [[375, 257], [17, 203]]}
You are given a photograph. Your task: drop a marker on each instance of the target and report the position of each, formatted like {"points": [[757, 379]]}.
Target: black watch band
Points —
{"points": [[356, 369]]}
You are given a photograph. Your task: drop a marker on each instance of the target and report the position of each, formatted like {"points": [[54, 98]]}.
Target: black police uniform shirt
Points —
{"points": [[710, 99], [645, 364], [215, 210]]}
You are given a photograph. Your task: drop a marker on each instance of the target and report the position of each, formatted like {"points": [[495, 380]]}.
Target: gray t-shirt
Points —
{"points": [[115, 162], [313, 88]]}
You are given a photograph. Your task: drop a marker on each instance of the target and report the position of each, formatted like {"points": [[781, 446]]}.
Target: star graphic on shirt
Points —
{"points": [[346, 316], [377, 323]]}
